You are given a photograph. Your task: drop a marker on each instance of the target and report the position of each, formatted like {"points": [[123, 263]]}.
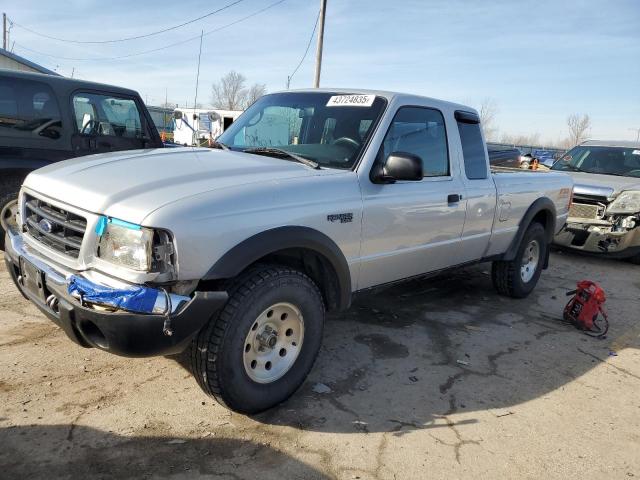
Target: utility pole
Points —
{"points": [[4, 31], [323, 11]]}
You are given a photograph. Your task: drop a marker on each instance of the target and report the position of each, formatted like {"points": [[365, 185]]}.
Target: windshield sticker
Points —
{"points": [[636, 152], [351, 101]]}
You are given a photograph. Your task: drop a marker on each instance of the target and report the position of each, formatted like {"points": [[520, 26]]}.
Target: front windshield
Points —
{"points": [[603, 160], [302, 123]]}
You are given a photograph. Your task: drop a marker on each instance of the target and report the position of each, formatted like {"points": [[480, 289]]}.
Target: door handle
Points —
{"points": [[454, 198]]}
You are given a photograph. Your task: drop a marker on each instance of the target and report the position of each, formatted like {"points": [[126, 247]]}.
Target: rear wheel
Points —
{"points": [[9, 189], [518, 277], [259, 349]]}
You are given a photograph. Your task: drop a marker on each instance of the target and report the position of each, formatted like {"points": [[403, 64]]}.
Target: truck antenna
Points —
{"points": [[195, 100]]}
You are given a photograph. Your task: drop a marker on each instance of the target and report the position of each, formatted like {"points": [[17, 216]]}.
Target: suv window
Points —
{"points": [[475, 163], [107, 115], [28, 109], [420, 131]]}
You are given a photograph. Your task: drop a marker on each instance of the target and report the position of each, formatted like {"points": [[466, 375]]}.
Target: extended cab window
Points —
{"points": [[28, 109], [475, 162], [106, 115], [419, 131]]}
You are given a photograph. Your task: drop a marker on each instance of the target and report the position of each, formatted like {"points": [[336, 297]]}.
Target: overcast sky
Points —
{"points": [[538, 60]]}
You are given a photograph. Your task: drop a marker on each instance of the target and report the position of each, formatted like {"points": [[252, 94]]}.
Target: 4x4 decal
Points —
{"points": [[340, 217]]}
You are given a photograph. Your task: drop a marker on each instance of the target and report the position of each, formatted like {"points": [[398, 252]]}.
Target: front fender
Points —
{"points": [[249, 251]]}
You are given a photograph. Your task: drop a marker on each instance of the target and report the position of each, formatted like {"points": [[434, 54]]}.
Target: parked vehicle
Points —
{"points": [[545, 157], [198, 127], [605, 214], [235, 254], [163, 119], [47, 118], [503, 156]]}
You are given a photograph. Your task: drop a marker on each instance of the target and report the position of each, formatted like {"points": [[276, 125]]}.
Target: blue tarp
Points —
{"points": [[139, 299]]}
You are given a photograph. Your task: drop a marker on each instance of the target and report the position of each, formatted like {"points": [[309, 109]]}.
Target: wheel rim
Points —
{"points": [[273, 343], [530, 259], [8, 214]]}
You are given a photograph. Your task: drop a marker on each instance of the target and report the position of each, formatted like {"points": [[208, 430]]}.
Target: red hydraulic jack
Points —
{"points": [[585, 307]]}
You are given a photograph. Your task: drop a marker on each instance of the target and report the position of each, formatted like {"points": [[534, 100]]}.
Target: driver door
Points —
{"points": [[107, 123]]}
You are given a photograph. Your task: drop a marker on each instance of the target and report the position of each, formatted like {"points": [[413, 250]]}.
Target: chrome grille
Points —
{"points": [[56, 228], [583, 210]]}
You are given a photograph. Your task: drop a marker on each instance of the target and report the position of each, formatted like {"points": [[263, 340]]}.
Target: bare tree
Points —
{"points": [[531, 139], [230, 93], [578, 126], [254, 93], [488, 111]]}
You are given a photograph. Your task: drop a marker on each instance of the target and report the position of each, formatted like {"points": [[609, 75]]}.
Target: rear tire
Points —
{"points": [[518, 277], [9, 189], [257, 351]]}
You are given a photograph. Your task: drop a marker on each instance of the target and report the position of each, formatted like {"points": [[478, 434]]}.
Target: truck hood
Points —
{"points": [[608, 186], [130, 185]]}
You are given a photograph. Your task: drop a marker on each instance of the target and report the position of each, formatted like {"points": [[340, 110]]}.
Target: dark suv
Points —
{"points": [[46, 118]]}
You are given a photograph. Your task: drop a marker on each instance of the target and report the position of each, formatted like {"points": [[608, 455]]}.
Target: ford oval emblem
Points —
{"points": [[46, 225]]}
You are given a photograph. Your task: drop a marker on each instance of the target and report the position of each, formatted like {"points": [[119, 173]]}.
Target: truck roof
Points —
{"points": [[611, 143], [64, 83], [404, 97]]}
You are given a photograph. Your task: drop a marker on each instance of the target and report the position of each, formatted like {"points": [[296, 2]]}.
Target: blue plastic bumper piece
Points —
{"points": [[137, 298]]}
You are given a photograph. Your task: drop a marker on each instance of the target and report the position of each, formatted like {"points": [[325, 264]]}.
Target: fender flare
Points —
{"points": [[540, 205], [247, 252]]}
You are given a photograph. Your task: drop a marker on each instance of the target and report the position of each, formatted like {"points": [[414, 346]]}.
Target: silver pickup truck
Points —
{"points": [[233, 255]]}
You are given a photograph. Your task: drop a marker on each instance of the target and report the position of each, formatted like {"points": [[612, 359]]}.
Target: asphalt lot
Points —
{"points": [[436, 378]]}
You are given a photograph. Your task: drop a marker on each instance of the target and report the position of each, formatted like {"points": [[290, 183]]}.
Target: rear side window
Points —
{"points": [[475, 163], [28, 109], [419, 131], [107, 115]]}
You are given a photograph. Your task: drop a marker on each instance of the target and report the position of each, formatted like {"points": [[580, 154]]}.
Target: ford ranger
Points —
{"points": [[233, 255], [605, 216]]}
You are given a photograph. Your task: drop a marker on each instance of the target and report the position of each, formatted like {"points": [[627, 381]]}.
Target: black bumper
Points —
{"points": [[122, 333]]}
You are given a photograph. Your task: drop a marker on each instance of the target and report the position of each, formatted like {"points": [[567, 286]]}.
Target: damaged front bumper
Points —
{"points": [[108, 327], [600, 236]]}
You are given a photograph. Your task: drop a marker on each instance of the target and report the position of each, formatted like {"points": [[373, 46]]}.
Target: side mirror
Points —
{"points": [[400, 166]]}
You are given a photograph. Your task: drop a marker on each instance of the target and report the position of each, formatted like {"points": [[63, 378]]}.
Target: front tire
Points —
{"points": [[257, 351], [518, 277]]}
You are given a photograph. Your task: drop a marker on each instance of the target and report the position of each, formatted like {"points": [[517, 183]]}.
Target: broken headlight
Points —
{"points": [[125, 244], [627, 202]]}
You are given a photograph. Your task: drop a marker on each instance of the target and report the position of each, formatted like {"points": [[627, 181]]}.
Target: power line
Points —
{"points": [[136, 37], [159, 48], [315, 26]]}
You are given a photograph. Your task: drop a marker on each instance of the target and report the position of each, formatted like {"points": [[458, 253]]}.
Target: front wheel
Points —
{"points": [[518, 277], [259, 349]]}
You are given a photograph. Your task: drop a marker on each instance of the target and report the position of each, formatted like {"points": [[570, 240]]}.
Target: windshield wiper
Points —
{"points": [[220, 146], [279, 153]]}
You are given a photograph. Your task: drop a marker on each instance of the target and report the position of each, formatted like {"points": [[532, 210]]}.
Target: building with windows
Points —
{"points": [[11, 61]]}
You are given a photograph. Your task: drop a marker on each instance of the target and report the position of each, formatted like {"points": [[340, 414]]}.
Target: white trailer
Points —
{"points": [[198, 127]]}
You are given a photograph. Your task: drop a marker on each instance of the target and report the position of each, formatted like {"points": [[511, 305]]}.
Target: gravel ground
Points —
{"points": [[436, 378]]}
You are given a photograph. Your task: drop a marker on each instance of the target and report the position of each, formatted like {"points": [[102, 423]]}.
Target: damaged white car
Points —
{"points": [[605, 213]]}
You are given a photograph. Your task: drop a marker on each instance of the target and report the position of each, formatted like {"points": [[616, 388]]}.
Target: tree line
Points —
{"points": [[578, 127]]}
